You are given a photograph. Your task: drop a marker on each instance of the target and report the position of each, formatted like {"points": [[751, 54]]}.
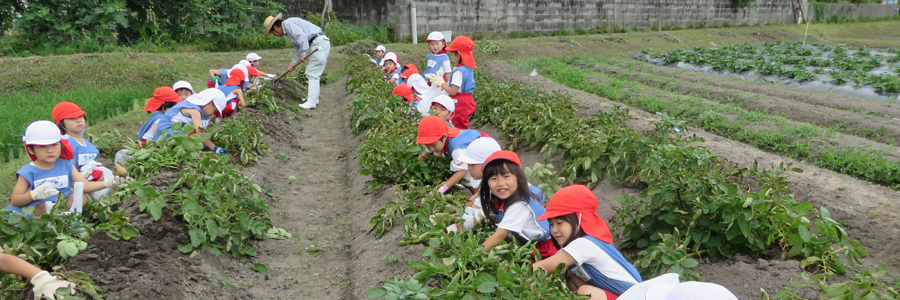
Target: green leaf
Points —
{"points": [[185, 248], [15, 218], [689, 262], [376, 292], [487, 287], [259, 267], [804, 233], [803, 208]]}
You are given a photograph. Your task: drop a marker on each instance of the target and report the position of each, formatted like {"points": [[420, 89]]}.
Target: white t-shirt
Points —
{"points": [[586, 252], [520, 219], [445, 68], [456, 79], [149, 134], [456, 165]]}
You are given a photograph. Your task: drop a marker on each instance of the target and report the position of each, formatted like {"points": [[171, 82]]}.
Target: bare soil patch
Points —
{"points": [[857, 204]]}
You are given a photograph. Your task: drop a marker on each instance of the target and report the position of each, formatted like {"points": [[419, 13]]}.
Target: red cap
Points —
{"points": [[579, 199], [235, 77], [229, 110], [404, 91], [66, 110], [161, 95], [410, 69], [464, 45], [432, 128], [502, 154], [252, 71]]}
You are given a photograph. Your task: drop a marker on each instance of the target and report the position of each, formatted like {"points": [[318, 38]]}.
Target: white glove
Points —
{"points": [[435, 79], [115, 181], [86, 170], [45, 285], [43, 191], [271, 76]]}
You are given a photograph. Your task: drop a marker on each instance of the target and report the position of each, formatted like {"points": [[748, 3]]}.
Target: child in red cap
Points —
{"points": [[515, 204], [462, 80], [72, 123], [163, 99], [406, 92], [600, 269], [50, 173], [440, 138]]}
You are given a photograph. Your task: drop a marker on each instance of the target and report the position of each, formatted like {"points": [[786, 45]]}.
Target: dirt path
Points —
{"points": [[864, 208], [318, 198]]}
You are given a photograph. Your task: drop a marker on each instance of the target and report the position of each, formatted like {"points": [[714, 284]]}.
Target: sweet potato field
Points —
{"points": [[724, 163]]}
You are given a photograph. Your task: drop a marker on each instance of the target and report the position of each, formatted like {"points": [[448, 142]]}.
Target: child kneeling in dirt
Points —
{"points": [[72, 124], [439, 138], [45, 285], [507, 197], [476, 153], [587, 246], [163, 99], [380, 51], [462, 80], [50, 173], [254, 59], [197, 110], [406, 93], [441, 106]]}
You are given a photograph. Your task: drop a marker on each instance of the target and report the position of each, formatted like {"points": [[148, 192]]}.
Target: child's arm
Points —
{"points": [[495, 239], [17, 266], [240, 95], [450, 89], [214, 72], [198, 123], [89, 186], [423, 157], [21, 195], [454, 179], [392, 80], [549, 264], [44, 284]]}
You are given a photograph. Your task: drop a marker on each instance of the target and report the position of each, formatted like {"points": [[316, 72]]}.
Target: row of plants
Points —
{"points": [[625, 70], [796, 60], [758, 129], [222, 208], [455, 263], [694, 205]]}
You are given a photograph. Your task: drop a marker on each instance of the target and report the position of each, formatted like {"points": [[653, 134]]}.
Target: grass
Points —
{"points": [[772, 133], [19, 110]]}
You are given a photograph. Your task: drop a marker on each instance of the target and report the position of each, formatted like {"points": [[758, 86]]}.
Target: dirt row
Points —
{"points": [[314, 189], [838, 140], [879, 129], [833, 100], [865, 209]]}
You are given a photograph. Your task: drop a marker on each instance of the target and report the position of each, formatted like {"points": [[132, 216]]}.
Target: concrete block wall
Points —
{"points": [[853, 11], [467, 17]]}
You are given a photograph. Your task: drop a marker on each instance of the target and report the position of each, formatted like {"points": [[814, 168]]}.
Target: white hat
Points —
{"points": [[239, 67], [216, 96], [244, 62], [41, 133], [417, 82], [666, 287], [424, 106], [479, 150], [381, 48], [183, 85], [389, 56], [253, 57], [444, 101], [435, 36]]}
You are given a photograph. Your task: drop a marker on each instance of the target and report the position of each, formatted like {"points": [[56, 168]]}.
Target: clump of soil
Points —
{"points": [[359, 47], [289, 90], [150, 266]]}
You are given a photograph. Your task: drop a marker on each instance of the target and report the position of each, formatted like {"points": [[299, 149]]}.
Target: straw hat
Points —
{"points": [[270, 20]]}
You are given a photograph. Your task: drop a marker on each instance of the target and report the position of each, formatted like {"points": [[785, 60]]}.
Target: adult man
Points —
{"points": [[304, 36]]}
